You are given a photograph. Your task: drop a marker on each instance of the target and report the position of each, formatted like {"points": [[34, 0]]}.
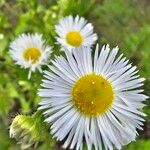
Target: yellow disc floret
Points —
{"points": [[32, 54], [92, 95], [74, 38]]}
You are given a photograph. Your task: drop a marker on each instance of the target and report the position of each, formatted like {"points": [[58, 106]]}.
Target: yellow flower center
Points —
{"points": [[92, 94], [32, 54], [74, 38]]}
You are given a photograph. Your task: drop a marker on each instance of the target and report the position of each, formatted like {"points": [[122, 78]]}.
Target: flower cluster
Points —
{"points": [[90, 95]]}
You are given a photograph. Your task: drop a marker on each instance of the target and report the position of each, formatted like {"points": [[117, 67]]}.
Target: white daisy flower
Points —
{"points": [[75, 32], [30, 51], [93, 100]]}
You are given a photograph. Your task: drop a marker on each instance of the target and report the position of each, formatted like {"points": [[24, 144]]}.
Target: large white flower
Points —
{"points": [[98, 99], [75, 32], [30, 51]]}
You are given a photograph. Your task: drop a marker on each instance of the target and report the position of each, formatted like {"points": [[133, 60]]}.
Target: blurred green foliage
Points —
{"points": [[139, 145], [117, 22]]}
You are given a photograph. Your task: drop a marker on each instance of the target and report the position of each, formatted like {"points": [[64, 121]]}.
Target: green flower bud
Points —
{"points": [[29, 130]]}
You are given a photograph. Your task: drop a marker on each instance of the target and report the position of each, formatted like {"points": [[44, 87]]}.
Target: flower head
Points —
{"points": [[30, 51], [75, 32], [98, 99]]}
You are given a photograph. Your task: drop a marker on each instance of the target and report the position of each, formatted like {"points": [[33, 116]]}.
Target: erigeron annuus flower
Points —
{"points": [[75, 32], [97, 100], [30, 51]]}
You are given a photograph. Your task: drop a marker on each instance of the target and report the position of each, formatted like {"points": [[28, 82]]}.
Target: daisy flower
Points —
{"points": [[29, 51], [93, 100], [75, 32]]}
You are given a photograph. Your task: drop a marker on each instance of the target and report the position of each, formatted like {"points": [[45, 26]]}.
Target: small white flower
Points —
{"points": [[75, 32], [98, 99], [30, 51]]}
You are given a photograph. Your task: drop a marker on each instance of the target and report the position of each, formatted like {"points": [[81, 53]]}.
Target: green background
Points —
{"points": [[125, 23]]}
